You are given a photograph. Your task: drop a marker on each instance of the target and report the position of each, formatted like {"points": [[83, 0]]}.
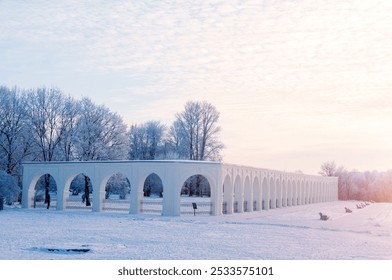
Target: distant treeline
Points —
{"points": [[355, 185]]}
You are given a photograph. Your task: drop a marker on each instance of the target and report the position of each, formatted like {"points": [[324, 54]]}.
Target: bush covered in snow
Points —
{"points": [[9, 189]]}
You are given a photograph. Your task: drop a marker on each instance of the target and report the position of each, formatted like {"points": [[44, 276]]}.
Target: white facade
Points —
{"points": [[234, 188]]}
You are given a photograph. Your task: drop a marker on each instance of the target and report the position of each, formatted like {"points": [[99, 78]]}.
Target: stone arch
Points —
{"points": [[318, 196], [196, 189], [196, 185], [117, 193], [151, 200], [228, 193], [238, 195], [296, 192], [256, 195], [44, 188], [153, 186], [75, 197], [289, 193], [327, 191], [307, 193], [265, 195], [272, 194], [278, 191], [313, 192], [118, 185], [248, 193], [302, 192], [323, 192], [284, 193]]}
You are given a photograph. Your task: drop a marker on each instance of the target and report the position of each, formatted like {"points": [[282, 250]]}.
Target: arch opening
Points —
{"points": [[152, 202], [256, 195], [117, 194], [238, 196], [265, 195], [80, 193], [284, 194], [248, 205], [289, 193], [195, 196], [278, 191], [272, 200], [227, 201], [45, 192]]}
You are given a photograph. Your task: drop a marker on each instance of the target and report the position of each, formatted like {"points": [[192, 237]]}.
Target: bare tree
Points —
{"points": [[146, 140], [197, 131], [177, 142], [328, 169], [101, 134], [70, 119], [9, 189], [46, 110], [14, 141]]}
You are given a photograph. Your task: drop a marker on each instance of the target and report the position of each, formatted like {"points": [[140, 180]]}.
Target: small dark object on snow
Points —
{"points": [[323, 217], [348, 210], [68, 250]]}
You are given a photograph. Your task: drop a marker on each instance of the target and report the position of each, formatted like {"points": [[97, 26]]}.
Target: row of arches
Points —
{"points": [[171, 187], [78, 193], [268, 193]]}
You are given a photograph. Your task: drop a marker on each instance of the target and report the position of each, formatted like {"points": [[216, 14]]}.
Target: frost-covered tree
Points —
{"points": [[70, 120], [46, 113], [383, 184], [357, 185], [328, 169], [195, 131], [194, 135], [101, 134], [14, 138], [118, 184], [9, 189], [178, 142], [147, 141]]}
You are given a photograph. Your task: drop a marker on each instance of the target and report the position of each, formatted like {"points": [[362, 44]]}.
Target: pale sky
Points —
{"points": [[297, 83]]}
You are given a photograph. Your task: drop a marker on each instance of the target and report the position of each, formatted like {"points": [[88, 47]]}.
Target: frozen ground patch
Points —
{"points": [[286, 233]]}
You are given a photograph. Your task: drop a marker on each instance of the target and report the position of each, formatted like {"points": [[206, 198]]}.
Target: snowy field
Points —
{"points": [[280, 234]]}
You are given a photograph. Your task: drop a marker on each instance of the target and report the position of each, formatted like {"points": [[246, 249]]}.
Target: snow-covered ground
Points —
{"points": [[288, 233]]}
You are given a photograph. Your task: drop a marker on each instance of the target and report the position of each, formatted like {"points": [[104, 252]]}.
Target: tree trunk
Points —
{"points": [[47, 185], [87, 191], [197, 187]]}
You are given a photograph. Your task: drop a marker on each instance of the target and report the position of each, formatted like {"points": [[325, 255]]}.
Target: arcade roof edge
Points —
{"points": [[216, 163]]}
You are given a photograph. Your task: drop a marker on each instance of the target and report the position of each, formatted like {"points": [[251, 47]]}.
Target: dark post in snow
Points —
{"points": [[194, 208]]}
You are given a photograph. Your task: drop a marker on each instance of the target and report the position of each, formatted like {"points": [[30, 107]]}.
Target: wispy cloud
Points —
{"points": [[290, 69]]}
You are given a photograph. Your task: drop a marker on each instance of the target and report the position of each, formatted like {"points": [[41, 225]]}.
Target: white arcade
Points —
{"points": [[233, 188]]}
